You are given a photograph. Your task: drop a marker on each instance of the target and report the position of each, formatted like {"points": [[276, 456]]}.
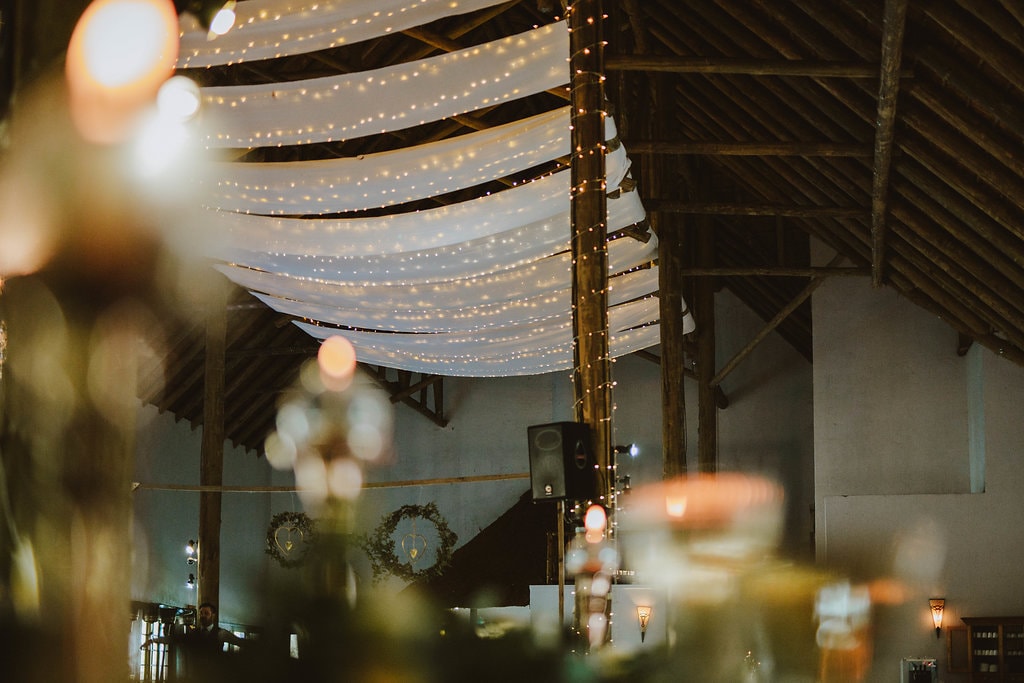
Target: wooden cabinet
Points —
{"points": [[995, 649]]}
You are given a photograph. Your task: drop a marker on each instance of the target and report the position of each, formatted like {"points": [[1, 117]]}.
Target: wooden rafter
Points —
{"points": [[406, 384], [750, 67], [888, 90]]}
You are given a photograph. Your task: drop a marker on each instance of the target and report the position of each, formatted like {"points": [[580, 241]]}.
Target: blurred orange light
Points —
{"points": [[704, 501], [120, 52], [594, 522], [337, 362]]}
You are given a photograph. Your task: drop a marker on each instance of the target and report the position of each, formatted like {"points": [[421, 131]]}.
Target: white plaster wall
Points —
{"points": [[768, 428], [892, 467], [890, 407], [167, 452]]}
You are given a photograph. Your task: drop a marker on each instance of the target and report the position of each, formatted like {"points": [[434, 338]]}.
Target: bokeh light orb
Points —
{"points": [[595, 521], [120, 52], [179, 98], [337, 362], [280, 451]]}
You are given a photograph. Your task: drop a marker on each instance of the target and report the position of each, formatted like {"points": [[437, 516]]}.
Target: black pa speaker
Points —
{"points": [[561, 461]]}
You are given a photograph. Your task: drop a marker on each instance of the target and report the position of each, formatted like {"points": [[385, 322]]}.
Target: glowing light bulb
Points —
{"points": [[223, 20]]}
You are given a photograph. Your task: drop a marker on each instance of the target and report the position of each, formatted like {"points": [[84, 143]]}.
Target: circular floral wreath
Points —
{"points": [[298, 521], [380, 545]]}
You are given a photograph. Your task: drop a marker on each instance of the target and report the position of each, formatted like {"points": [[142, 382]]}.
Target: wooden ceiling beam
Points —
{"points": [[403, 388], [998, 345], [747, 67], [893, 24], [723, 209], [775, 271], [446, 44], [746, 149], [413, 388], [772, 324], [721, 400], [637, 27]]}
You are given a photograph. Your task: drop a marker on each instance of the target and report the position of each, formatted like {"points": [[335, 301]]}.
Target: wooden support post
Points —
{"points": [[212, 457], [704, 313], [589, 232], [670, 300], [588, 222]]}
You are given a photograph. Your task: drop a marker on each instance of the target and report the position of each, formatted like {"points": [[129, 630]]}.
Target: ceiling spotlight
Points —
{"points": [[632, 449]]}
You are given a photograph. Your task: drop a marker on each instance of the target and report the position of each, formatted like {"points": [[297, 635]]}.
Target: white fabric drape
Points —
{"points": [[390, 98], [402, 175], [524, 355], [522, 205], [501, 341], [524, 358], [484, 315], [509, 245], [265, 29], [472, 259], [536, 279], [479, 288]]}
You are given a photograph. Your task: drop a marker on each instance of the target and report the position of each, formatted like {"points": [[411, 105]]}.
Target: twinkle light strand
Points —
{"points": [[403, 175], [519, 311], [479, 288], [465, 258], [265, 29], [527, 359], [500, 284], [591, 319], [390, 98]]}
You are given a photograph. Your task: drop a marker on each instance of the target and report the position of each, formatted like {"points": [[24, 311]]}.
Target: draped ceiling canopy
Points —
{"points": [[477, 287]]}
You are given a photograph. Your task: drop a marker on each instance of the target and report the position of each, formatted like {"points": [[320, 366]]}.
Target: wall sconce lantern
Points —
{"points": [[643, 613], [937, 606], [191, 583]]}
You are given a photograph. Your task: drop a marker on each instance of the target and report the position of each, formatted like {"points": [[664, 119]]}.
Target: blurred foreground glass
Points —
{"points": [[738, 612], [88, 279]]}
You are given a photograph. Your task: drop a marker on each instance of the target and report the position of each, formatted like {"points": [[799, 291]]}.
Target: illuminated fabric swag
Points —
{"points": [[390, 98], [476, 288], [402, 175], [265, 29]]}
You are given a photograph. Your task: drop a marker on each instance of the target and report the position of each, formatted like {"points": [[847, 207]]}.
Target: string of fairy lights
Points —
{"points": [[523, 359], [528, 206], [592, 342], [265, 29], [508, 287], [404, 175], [389, 98], [508, 245], [447, 318], [477, 288]]}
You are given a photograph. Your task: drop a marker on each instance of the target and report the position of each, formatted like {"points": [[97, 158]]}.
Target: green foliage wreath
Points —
{"points": [[382, 548], [284, 531]]}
